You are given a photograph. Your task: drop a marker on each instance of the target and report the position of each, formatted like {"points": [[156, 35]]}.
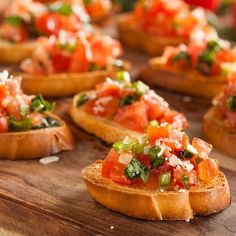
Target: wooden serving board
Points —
{"points": [[37, 199]]}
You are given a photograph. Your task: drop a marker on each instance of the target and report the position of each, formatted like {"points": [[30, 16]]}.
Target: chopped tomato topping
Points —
{"points": [[3, 91], [106, 89], [208, 169], [3, 124], [156, 132], [202, 147]]}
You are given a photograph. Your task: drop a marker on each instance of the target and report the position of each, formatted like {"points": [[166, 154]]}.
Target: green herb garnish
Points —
{"points": [[165, 179], [68, 46], [135, 169], [121, 147], [82, 99], [61, 8], [138, 149], [123, 76], [140, 88], [127, 100], [38, 104], [14, 20], [181, 56], [94, 67], [231, 103], [185, 181], [20, 125], [155, 153]]}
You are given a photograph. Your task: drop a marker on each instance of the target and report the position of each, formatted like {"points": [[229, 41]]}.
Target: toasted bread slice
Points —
{"points": [[12, 53], [36, 143], [133, 37], [155, 205], [187, 82], [107, 130], [219, 134]]}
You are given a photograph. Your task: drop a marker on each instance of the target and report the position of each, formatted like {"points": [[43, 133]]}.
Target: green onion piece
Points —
{"points": [[24, 109], [82, 99], [138, 149], [14, 20], [61, 8], [185, 181], [231, 103], [123, 76], [181, 56], [188, 152], [165, 179], [135, 169], [127, 100], [140, 88], [155, 153], [121, 147], [38, 104], [154, 123], [213, 45], [94, 67], [20, 125], [69, 46]]}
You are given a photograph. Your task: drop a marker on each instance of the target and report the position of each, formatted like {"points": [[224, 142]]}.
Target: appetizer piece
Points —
{"points": [[195, 69], [220, 121], [98, 9], [70, 63], [120, 108], [161, 176], [28, 129], [24, 20], [155, 24]]}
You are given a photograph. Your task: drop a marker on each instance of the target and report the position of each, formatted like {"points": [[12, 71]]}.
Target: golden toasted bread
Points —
{"points": [[187, 82], [103, 128], [36, 143], [204, 199], [219, 134]]}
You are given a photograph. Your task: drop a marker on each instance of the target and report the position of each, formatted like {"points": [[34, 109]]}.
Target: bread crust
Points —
{"points": [[36, 143], [64, 84], [107, 130], [12, 53], [219, 134], [188, 82], [133, 37], [156, 205]]}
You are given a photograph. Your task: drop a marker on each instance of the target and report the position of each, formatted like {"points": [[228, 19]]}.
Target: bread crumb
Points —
{"points": [[112, 227], [48, 160]]}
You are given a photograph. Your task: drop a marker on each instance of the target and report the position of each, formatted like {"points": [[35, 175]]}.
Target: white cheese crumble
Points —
{"points": [[125, 158], [48, 160]]}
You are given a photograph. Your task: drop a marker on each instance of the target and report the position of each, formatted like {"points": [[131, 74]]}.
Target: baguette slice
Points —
{"points": [[12, 53], [187, 82], [133, 37], [64, 84], [36, 143], [219, 134], [107, 130], [155, 205]]}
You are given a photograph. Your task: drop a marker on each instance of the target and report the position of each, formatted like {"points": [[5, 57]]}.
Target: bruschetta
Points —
{"points": [[155, 24], [25, 20], [28, 129], [161, 176], [220, 120], [120, 108], [70, 63], [194, 69]]}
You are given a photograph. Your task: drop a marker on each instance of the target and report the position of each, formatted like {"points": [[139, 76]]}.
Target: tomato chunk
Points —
{"points": [[202, 147], [156, 132], [208, 169]]}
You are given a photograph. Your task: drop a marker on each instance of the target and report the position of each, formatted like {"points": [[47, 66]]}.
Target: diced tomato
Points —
{"points": [[106, 89], [209, 4], [49, 23], [184, 179], [156, 132], [144, 159], [155, 106], [177, 119], [3, 124], [208, 169], [133, 117], [180, 142], [112, 156], [202, 147], [231, 116], [3, 91], [61, 61], [194, 50]]}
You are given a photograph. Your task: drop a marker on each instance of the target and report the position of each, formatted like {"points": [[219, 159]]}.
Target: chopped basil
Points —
{"points": [[121, 147], [61, 8], [231, 103], [213, 45], [135, 169], [138, 149], [82, 99], [127, 100], [165, 179], [188, 152], [20, 125], [140, 88], [24, 109], [123, 76], [47, 122], [155, 153], [94, 67], [38, 104], [185, 181], [14, 20], [69, 46], [181, 56]]}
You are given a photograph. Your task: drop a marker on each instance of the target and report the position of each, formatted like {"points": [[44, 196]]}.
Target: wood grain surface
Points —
{"points": [[37, 199]]}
